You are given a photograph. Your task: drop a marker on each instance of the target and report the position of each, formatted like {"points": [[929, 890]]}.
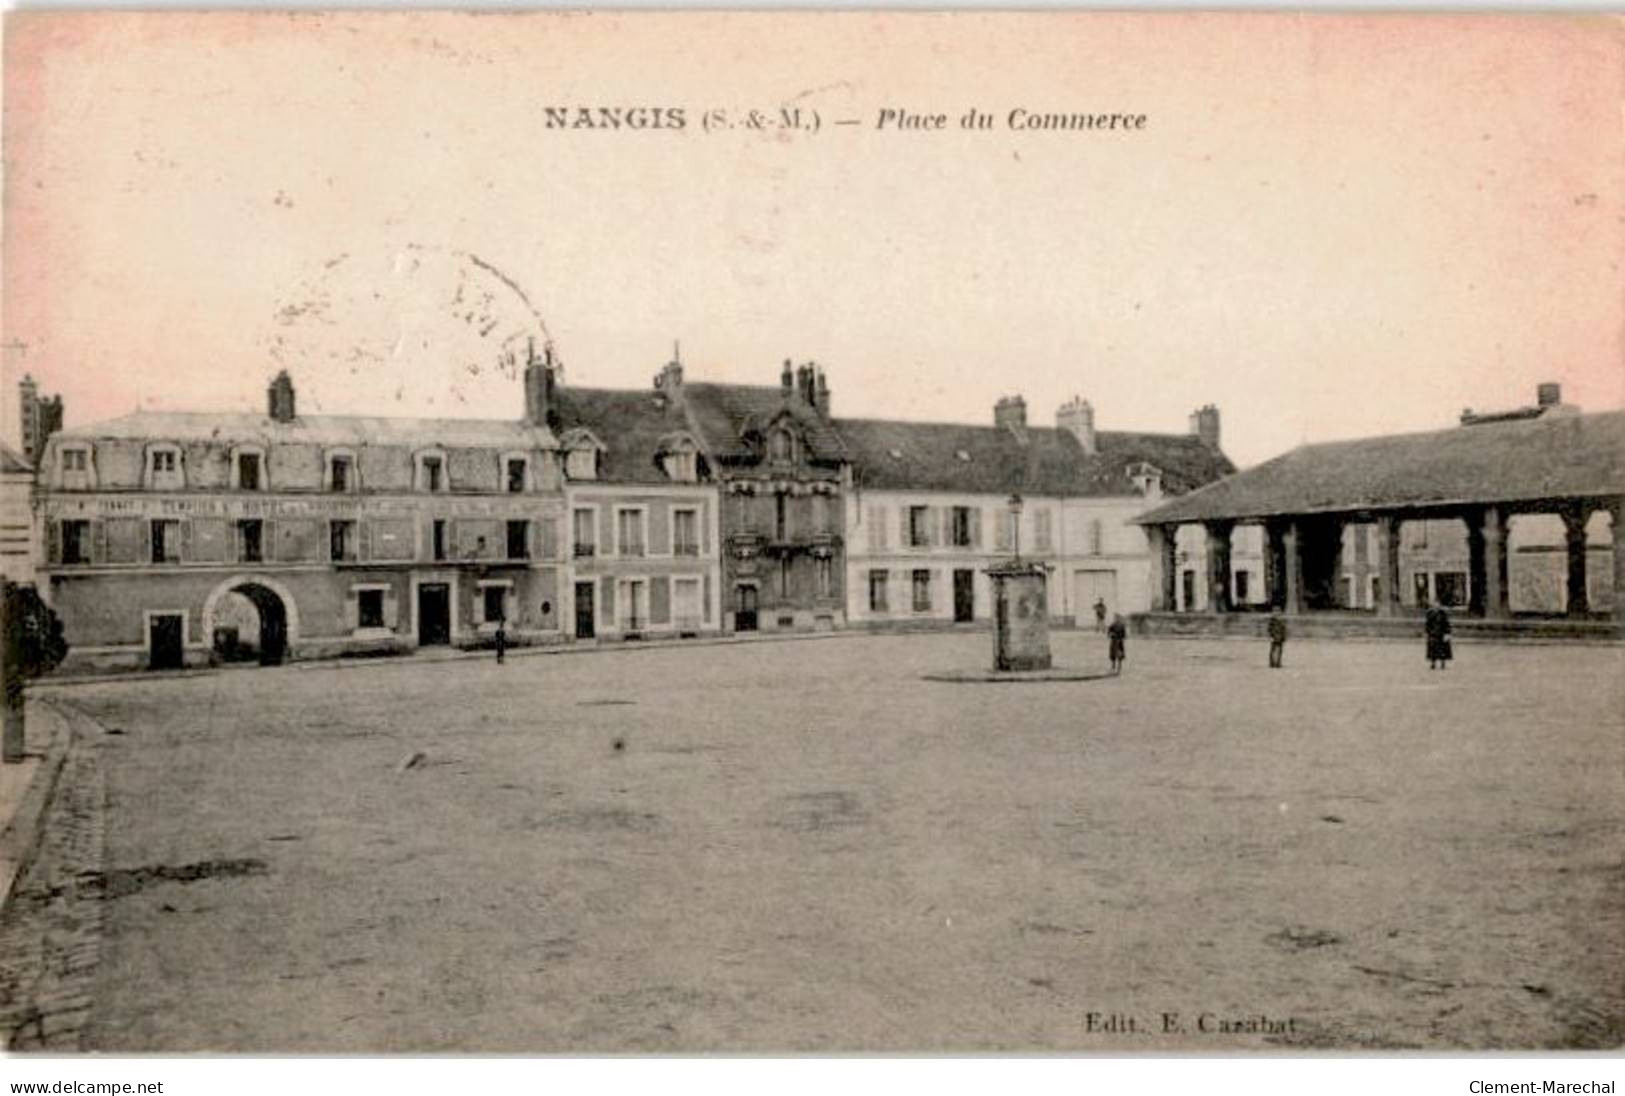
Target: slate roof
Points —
{"points": [[1513, 460], [191, 426], [722, 413], [631, 424], [13, 462], [929, 456]]}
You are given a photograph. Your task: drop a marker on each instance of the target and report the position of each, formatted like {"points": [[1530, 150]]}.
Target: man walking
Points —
{"points": [[502, 641], [1277, 630]]}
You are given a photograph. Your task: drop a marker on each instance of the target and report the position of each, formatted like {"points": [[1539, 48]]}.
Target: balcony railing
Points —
{"points": [[686, 549]]}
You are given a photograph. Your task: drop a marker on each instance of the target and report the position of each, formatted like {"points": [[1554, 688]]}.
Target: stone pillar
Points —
{"points": [[1218, 566], [1574, 518], [1160, 538], [1292, 542], [1477, 578], [1388, 528], [1494, 533]]}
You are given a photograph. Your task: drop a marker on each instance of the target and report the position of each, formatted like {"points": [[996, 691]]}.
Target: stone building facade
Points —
{"points": [[934, 505], [180, 538]]}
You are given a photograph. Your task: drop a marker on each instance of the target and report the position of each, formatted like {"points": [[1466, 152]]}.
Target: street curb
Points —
{"points": [[20, 841]]}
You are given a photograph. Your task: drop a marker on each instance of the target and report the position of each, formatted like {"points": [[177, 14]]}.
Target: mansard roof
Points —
{"points": [[240, 428], [1498, 460], [634, 425], [931, 456]]}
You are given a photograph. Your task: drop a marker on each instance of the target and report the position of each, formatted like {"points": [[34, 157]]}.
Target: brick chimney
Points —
{"points": [[821, 394], [1205, 425], [539, 381], [786, 382], [669, 381], [279, 398], [1010, 413], [1077, 418]]}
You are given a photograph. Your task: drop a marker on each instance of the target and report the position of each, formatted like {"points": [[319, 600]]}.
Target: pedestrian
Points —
{"points": [[1100, 614], [1277, 630], [1116, 636], [1437, 628], [502, 641]]}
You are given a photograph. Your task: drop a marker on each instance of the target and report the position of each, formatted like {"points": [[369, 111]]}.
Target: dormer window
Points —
{"points": [[432, 472], [341, 474], [516, 474], [164, 468], [74, 465], [248, 469], [581, 451], [781, 446], [581, 464], [680, 459], [1147, 478]]}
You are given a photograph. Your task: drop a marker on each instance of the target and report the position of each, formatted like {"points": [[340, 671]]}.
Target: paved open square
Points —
{"points": [[805, 846]]}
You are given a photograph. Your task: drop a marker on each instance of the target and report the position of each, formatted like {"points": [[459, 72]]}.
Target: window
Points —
{"points": [[581, 463], [961, 526], [251, 541], [248, 471], [166, 541], [1241, 587], [922, 591], [826, 576], [1419, 585], [75, 460], [629, 532], [76, 542], [780, 445], [781, 516], [516, 475], [1451, 588], [341, 540], [1004, 530], [685, 532], [431, 472], [1097, 537], [519, 540], [495, 598], [340, 473], [370, 608], [164, 469], [1041, 530], [784, 578], [437, 539], [584, 525], [919, 530], [877, 592], [877, 528], [74, 463], [1419, 533], [682, 466]]}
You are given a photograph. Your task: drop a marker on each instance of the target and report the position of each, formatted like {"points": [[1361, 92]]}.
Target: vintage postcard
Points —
{"points": [[647, 533]]}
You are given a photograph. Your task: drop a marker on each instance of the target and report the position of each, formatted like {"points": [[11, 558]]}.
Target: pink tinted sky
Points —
{"points": [[1331, 225]]}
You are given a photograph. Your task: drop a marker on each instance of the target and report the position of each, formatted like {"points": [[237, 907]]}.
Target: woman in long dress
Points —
{"points": [[1437, 627]]}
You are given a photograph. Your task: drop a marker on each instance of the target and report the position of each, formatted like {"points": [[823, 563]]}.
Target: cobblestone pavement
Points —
{"points": [[51, 928]]}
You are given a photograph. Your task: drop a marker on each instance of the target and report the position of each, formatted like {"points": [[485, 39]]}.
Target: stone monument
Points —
{"points": [[1020, 617]]}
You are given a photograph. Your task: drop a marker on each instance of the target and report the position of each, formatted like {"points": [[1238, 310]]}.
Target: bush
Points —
{"points": [[33, 637]]}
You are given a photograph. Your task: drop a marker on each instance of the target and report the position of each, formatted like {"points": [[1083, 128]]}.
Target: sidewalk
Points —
{"points": [[25, 789]]}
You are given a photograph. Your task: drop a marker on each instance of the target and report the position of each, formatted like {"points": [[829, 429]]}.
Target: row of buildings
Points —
{"points": [[686, 508]]}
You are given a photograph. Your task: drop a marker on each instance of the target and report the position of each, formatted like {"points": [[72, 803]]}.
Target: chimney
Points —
{"points": [[785, 380], [804, 382], [279, 398], [821, 391], [1077, 418], [538, 384], [1205, 425], [40, 418], [1549, 394], [1011, 413], [670, 379]]}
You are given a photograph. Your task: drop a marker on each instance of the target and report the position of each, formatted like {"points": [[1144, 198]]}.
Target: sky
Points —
{"points": [[1328, 226]]}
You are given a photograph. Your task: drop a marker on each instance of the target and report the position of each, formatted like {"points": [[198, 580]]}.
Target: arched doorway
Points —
{"points": [[250, 618]]}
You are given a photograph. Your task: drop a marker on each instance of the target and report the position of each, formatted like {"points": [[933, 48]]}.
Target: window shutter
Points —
{"points": [[606, 531], [363, 540], [98, 542], [53, 541], [975, 526], [905, 533], [392, 608], [186, 542], [607, 610], [549, 533], [660, 600], [352, 610], [947, 524]]}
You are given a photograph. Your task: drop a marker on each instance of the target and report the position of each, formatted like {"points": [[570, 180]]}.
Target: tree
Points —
{"points": [[33, 646]]}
